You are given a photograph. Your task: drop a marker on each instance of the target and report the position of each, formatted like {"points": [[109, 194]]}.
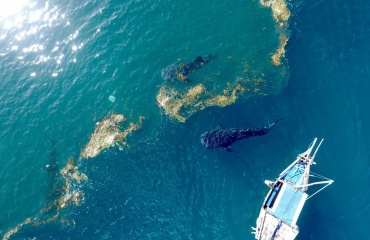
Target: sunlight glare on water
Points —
{"points": [[25, 26], [9, 8]]}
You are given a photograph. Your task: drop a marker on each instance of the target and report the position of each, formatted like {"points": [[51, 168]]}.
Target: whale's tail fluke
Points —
{"points": [[273, 124]]}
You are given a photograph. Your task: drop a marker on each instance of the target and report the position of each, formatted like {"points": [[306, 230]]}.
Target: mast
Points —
{"points": [[306, 159]]}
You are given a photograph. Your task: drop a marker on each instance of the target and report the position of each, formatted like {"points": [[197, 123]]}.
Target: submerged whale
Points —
{"points": [[223, 137], [54, 184], [181, 71]]}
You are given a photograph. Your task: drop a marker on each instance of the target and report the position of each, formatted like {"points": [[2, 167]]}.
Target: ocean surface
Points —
{"points": [[67, 65]]}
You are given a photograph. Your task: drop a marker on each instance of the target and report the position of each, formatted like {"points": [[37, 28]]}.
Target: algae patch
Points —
{"points": [[280, 51], [281, 14], [107, 133], [279, 9], [14, 230], [71, 176], [181, 105]]}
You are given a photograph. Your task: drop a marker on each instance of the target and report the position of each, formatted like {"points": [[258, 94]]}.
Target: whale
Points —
{"points": [[54, 181], [225, 137], [181, 71]]}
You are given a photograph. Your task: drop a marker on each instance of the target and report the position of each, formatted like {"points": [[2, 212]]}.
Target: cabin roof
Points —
{"points": [[288, 204]]}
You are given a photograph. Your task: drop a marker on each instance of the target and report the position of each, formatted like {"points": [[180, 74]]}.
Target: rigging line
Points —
{"points": [[296, 173], [311, 172], [318, 176], [319, 190], [284, 215]]}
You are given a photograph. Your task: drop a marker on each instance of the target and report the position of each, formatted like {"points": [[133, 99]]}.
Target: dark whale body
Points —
{"points": [[181, 71], [54, 182], [222, 137]]}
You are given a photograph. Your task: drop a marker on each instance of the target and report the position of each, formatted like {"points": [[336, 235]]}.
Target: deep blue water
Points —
{"points": [[61, 60]]}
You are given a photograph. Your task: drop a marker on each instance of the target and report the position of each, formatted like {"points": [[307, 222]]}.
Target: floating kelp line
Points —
{"points": [[9, 233], [180, 106], [281, 14], [280, 51], [107, 133], [280, 11]]}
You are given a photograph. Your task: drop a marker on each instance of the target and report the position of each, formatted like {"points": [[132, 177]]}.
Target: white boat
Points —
{"points": [[283, 204]]}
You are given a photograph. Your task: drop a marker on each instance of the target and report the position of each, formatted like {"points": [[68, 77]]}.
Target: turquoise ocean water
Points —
{"points": [[61, 60]]}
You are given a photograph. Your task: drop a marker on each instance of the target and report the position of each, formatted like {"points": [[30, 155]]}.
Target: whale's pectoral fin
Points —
{"points": [[228, 148]]}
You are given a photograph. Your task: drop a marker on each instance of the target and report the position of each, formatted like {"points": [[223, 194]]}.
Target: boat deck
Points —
{"points": [[295, 175], [284, 202], [288, 204], [272, 226]]}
